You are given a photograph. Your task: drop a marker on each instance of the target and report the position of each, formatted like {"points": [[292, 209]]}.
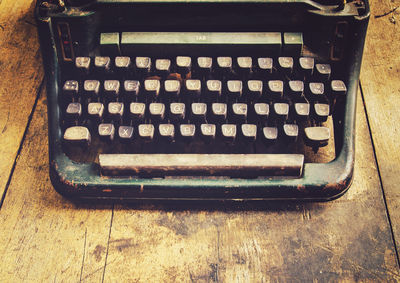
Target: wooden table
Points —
{"points": [[47, 238]]}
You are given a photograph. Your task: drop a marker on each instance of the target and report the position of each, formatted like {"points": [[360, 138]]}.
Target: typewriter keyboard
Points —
{"points": [[211, 105]]}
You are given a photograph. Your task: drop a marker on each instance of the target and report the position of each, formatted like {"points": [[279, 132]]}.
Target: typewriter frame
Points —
{"points": [[320, 181]]}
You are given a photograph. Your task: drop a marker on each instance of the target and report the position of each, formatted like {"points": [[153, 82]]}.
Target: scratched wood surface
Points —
{"points": [[19, 80], [47, 238], [381, 86]]}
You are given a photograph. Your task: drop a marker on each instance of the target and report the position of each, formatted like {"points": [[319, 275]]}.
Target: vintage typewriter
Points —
{"points": [[201, 99]]}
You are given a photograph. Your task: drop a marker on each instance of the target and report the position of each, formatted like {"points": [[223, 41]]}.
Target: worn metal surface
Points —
{"points": [[237, 165]]}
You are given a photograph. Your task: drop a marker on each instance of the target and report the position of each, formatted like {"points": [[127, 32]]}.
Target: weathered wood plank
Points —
{"points": [[380, 79], [21, 75], [347, 239], [45, 237]]}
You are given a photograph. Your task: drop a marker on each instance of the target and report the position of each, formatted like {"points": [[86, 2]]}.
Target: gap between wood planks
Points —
{"points": [[379, 175], [108, 243], [39, 91]]}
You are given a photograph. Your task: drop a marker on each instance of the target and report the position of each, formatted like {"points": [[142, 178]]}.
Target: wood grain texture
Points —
{"points": [[21, 74], [380, 79], [45, 237]]}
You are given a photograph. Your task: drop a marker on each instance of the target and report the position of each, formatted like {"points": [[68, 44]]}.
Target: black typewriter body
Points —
{"points": [[201, 100]]}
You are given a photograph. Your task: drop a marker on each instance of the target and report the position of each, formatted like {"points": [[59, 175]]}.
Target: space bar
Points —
{"points": [[235, 165]]}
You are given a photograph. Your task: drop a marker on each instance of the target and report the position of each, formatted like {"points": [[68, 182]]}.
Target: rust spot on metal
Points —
{"points": [[336, 186], [54, 164], [70, 183], [141, 188], [175, 76], [154, 78], [301, 188], [67, 182]]}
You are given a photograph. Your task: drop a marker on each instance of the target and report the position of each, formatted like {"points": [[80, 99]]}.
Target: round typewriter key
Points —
{"points": [[163, 67], [116, 110], [143, 65], [193, 89], [296, 88], [275, 89], [338, 88], [177, 111], [302, 110], [167, 132], [261, 112], [290, 132], [137, 111], [224, 65], [106, 132], [249, 132], [281, 111], [91, 88], [95, 111], [83, 64], [152, 88], [235, 89], [219, 112], [146, 132], [187, 132], [172, 89], [70, 90], [102, 64], [204, 66], [214, 89], [125, 133], [208, 132], [255, 88], [316, 92], [245, 65], [270, 135], [323, 71], [239, 112], [228, 132], [123, 65], [286, 64], [265, 65], [306, 66], [77, 135], [199, 112], [183, 64], [73, 112], [157, 111], [131, 89], [321, 112], [111, 88], [317, 136]]}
